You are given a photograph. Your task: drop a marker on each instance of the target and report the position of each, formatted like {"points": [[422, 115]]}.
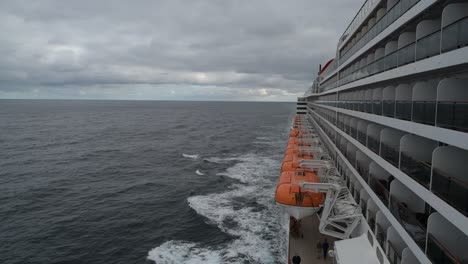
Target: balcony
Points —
{"points": [[417, 170], [388, 108], [454, 191], [424, 112], [455, 35], [380, 189], [392, 14], [439, 254], [403, 110], [453, 115], [428, 46], [389, 154], [414, 223]]}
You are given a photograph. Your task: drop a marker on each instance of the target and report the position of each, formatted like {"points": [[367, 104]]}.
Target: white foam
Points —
{"points": [[194, 156], [198, 172], [183, 252], [247, 212]]}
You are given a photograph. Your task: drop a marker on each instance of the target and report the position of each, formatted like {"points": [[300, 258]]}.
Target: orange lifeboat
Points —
{"points": [[298, 203]]}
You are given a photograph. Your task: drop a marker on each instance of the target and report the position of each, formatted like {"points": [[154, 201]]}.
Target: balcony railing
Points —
{"points": [[373, 144], [428, 46], [381, 236], [393, 256], [438, 253], [388, 108], [392, 14], [371, 221], [451, 189], [362, 137], [455, 35], [377, 108], [406, 54], [453, 115], [391, 61], [418, 170], [414, 223], [403, 110], [389, 153], [380, 189], [424, 112]]}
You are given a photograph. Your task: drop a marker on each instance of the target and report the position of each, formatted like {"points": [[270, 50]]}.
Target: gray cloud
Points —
{"points": [[205, 49]]}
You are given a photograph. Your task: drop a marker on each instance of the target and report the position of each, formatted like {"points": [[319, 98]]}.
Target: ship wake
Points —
{"points": [[246, 211]]}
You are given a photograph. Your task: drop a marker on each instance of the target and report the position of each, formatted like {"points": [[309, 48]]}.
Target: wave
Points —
{"points": [[198, 172], [247, 212], [194, 156]]}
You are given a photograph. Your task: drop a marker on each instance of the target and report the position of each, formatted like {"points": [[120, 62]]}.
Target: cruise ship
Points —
{"points": [[384, 127]]}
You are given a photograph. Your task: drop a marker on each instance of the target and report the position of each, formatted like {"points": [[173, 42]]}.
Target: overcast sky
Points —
{"points": [[266, 50]]}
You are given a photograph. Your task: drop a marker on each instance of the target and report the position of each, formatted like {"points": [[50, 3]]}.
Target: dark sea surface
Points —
{"points": [[141, 182]]}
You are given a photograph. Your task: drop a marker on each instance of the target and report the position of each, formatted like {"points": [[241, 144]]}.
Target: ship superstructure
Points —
{"points": [[391, 112]]}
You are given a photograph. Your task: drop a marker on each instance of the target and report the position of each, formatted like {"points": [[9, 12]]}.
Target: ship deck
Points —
{"points": [[305, 245]]}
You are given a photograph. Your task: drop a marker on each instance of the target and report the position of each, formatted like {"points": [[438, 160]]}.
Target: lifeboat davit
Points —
{"points": [[297, 202]]}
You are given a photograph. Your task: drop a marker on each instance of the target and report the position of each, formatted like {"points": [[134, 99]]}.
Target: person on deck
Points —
{"points": [[325, 247]]}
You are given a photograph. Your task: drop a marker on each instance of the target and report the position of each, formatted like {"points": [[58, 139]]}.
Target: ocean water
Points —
{"points": [[141, 182]]}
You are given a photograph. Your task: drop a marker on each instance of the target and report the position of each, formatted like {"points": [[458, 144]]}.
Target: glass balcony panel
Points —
{"points": [[438, 253], [380, 187], [388, 108], [362, 106], [406, 54], [381, 236], [369, 107], [455, 35], [393, 255], [424, 112], [373, 144], [389, 154], [428, 46], [454, 191], [371, 221], [418, 170], [377, 108], [453, 115], [403, 110], [413, 223], [391, 61], [362, 137]]}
